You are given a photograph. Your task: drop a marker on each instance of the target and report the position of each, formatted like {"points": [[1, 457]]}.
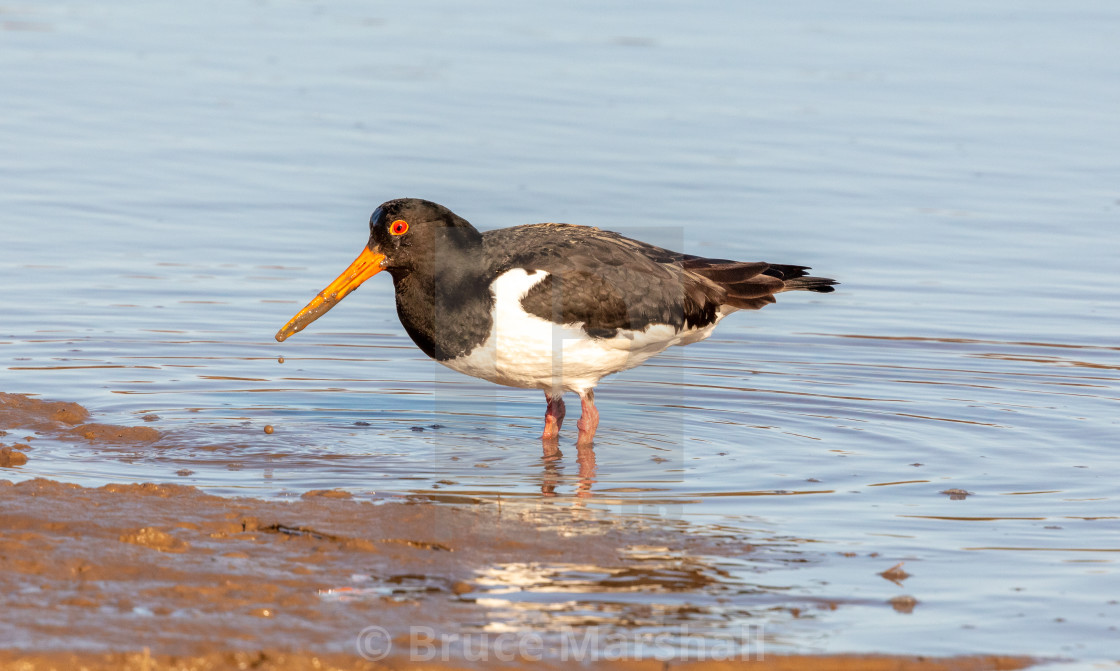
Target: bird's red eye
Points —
{"points": [[398, 227]]}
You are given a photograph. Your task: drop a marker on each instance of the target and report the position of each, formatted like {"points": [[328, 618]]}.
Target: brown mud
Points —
{"points": [[275, 660], [61, 419], [171, 568], [165, 576]]}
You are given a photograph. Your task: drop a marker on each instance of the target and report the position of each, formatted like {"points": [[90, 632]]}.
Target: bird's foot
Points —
{"points": [[553, 417], [551, 429], [588, 421]]}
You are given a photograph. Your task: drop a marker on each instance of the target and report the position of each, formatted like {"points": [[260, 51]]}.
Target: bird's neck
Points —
{"points": [[445, 306]]}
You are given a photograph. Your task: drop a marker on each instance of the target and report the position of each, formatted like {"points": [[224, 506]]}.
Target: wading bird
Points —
{"points": [[554, 307]]}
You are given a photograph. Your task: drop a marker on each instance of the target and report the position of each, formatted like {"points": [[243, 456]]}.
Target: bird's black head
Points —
{"points": [[407, 236], [418, 235]]}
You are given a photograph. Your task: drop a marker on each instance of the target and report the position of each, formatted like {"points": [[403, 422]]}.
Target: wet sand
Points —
{"points": [[160, 576]]}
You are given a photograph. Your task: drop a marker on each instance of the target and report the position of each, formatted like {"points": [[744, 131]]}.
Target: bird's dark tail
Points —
{"points": [[821, 285], [796, 278], [751, 286]]}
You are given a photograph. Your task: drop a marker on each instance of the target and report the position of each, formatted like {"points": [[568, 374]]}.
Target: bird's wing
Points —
{"points": [[603, 280]]}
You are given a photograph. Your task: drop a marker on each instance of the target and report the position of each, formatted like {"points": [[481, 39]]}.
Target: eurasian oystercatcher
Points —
{"points": [[554, 307]]}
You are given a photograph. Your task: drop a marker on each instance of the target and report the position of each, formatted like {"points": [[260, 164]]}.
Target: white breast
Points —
{"points": [[526, 351]]}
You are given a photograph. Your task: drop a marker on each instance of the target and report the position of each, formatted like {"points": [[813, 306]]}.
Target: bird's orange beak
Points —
{"points": [[368, 264]]}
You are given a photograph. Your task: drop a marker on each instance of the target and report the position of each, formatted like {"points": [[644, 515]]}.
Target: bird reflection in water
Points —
{"points": [[553, 468]]}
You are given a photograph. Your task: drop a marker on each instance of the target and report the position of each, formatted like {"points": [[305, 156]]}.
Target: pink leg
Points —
{"points": [[589, 419], [553, 417]]}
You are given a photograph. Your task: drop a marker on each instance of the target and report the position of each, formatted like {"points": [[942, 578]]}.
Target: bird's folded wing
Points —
{"points": [[605, 281]]}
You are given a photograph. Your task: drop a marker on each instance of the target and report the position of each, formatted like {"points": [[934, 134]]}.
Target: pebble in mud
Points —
{"points": [[279, 359], [268, 428]]}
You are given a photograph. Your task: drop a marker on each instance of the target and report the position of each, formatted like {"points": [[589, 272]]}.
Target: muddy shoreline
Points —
{"points": [[277, 660], [162, 576]]}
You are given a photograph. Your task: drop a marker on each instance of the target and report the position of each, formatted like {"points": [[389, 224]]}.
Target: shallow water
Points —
{"points": [[178, 180]]}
